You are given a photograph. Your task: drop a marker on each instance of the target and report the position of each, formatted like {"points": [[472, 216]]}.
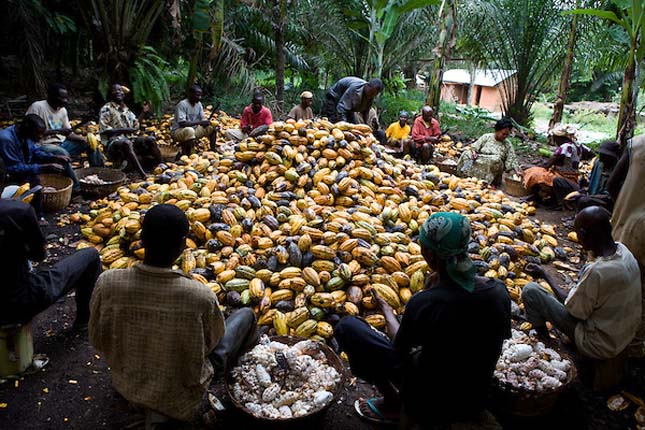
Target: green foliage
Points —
{"points": [[395, 84], [463, 127], [602, 89], [389, 105], [120, 30], [520, 35], [149, 79]]}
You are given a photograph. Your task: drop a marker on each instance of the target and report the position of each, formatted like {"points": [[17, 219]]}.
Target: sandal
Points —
{"points": [[379, 419]]}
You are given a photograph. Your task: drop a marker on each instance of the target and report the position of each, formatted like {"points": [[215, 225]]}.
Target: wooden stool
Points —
{"points": [[16, 349], [602, 375]]}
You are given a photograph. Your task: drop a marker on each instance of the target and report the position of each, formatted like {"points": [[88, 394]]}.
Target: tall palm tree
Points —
{"points": [[629, 16], [519, 35]]}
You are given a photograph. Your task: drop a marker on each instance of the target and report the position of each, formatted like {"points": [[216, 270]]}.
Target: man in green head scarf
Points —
{"points": [[444, 242]]}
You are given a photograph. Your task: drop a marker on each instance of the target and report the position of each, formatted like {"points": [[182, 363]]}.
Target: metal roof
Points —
{"points": [[484, 78]]}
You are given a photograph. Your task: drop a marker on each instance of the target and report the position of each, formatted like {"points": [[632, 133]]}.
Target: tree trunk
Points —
{"points": [[565, 76], [194, 59], [472, 70], [379, 60], [280, 17], [627, 112], [447, 38]]}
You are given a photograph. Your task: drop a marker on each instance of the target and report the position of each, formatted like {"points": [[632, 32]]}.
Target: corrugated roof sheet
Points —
{"points": [[484, 78]]}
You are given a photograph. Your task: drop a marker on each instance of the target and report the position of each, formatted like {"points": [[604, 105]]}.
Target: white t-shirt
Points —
{"points": [[608, 301], [187, 112], [54, 120]]}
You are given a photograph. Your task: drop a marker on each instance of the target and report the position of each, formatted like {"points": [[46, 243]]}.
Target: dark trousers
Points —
{"points": [[423, 153], [329, 109], [77, 272], [371, 354], [541, 306], [240, 334], [562, 187]]}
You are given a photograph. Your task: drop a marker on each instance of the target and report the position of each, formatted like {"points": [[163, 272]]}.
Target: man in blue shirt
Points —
{"points": [[24, 161]]}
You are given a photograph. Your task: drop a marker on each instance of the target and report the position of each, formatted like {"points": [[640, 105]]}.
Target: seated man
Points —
{"points": [[24, 161], [59, 139], [190, 123], [597, 193], [117, 124], [157, 327], [603, 311], [26, 292], [255, 120], [427, 363], [303, 110], [425, 133], [351, 96], [398, 134]]}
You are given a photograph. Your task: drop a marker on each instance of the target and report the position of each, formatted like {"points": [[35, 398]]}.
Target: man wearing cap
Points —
{"points": [[351, 96], [398, 134], [426, 361], [597, 192], [26, 292], [302, 110]]}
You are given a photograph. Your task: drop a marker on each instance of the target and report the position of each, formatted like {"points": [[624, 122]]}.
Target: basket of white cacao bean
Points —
{"points": [[285, 378], [529, 376]]}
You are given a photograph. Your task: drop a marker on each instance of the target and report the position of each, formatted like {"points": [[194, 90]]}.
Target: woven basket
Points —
{"points": [[525, 403], [332, 360], [114, 178], [514, 188], [56, 200], [168, 152], [450, 168]]}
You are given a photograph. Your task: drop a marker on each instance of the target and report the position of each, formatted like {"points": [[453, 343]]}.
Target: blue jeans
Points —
{"points": [[74, 149]]}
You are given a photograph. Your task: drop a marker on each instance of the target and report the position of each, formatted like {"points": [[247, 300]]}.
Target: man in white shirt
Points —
{"points": [[190, 123], [602, 313], [59, 139]]}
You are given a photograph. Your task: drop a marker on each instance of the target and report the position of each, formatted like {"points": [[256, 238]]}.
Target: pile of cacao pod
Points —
{"points": [[301, 222]]}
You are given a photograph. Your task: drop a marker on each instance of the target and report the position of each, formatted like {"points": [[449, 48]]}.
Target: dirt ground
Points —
{"points": [[74, 390]]}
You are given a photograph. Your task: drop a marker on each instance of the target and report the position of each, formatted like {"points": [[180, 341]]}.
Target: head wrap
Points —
{"points": [[306, 95], [564, 130], [446, 235]]}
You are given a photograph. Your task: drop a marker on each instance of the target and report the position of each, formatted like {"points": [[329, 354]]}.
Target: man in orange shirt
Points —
{"points": [[425, 133]]}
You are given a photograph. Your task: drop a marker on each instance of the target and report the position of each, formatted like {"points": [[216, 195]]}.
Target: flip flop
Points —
{"points": [[381, 418]]}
